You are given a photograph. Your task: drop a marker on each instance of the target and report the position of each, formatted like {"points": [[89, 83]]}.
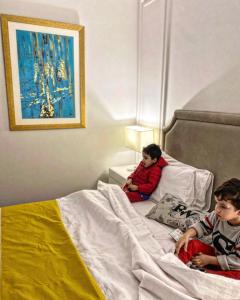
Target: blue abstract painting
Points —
{"points": [[46, 75]]}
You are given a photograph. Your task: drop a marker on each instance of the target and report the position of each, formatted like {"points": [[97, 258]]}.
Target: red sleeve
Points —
{"points": [[133, 173], [153, 180]]}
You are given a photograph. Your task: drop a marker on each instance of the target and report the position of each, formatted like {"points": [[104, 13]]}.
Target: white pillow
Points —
{"points": [[177, 181], [192, 185]]}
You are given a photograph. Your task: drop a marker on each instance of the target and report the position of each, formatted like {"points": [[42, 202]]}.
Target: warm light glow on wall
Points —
{"points": [[138, 137]]}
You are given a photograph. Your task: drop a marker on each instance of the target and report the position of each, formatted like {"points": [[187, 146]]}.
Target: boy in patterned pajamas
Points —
{"points": [[224, 224]]}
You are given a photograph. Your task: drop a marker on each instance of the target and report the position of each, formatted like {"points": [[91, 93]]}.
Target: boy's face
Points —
{"points": [[147, 160], [225, 211]]}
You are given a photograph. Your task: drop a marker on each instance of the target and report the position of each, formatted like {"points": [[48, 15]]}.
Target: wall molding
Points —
{"points": [[139, 60], [163, 85], [165, 62]]}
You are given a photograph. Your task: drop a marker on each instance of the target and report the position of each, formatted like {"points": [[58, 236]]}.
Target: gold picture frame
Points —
{"points": [[45, 75]]}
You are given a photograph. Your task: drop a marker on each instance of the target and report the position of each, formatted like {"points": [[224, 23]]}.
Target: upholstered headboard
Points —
{"points": [[206, 140]]}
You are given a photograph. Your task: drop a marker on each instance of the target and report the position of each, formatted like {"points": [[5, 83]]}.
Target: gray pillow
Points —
{"points": [[175, 213]]}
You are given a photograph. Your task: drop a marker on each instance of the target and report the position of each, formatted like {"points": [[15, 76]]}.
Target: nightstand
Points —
{"points": [[118, 175]]}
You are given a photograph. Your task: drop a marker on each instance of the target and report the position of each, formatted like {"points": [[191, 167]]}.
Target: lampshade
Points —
{"points": [[138, 137]]}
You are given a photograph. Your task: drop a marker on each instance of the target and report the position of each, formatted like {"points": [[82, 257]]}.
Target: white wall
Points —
{"points": [[202, 65], [204, 56], [203, 73], [45, 164]]}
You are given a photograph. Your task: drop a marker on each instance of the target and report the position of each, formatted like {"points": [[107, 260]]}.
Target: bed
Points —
{"points": [[95, 244]]}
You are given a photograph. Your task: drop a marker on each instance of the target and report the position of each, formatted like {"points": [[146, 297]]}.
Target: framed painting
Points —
{"points": [[44, 68]]}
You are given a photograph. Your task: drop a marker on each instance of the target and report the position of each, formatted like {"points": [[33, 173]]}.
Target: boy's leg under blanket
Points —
{"points": [[136, 196]]}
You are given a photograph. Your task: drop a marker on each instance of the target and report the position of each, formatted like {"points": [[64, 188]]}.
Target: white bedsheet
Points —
{"points": [[128, 260]]}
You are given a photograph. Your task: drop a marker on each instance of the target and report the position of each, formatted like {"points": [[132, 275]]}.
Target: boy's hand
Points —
{"points": [[129, 181], [184, 240], [133, 187], [202, 260]]}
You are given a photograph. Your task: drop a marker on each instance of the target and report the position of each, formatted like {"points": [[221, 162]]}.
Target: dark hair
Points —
{"points": [[229, 190], [153, 151]]}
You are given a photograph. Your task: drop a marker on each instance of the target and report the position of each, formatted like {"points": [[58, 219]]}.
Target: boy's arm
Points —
{"points": [[133, 173], [202, 260], [153, 180], [231, 261], [129, 182], [205, 226]]}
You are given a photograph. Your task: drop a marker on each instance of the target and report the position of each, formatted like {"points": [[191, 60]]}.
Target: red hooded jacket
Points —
{"points": [[148, 178]]}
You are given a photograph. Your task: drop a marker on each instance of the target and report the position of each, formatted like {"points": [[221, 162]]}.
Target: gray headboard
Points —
{"points": [[207, 140]]}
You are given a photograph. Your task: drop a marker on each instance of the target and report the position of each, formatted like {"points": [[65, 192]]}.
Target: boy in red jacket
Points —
{"points": [[143, 181]]}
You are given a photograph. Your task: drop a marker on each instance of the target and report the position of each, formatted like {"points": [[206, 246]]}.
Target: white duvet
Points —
{"points": [[126, 258]]}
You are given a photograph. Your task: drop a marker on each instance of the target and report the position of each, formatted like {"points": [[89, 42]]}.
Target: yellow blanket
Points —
{"points": [[39, 260]]}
